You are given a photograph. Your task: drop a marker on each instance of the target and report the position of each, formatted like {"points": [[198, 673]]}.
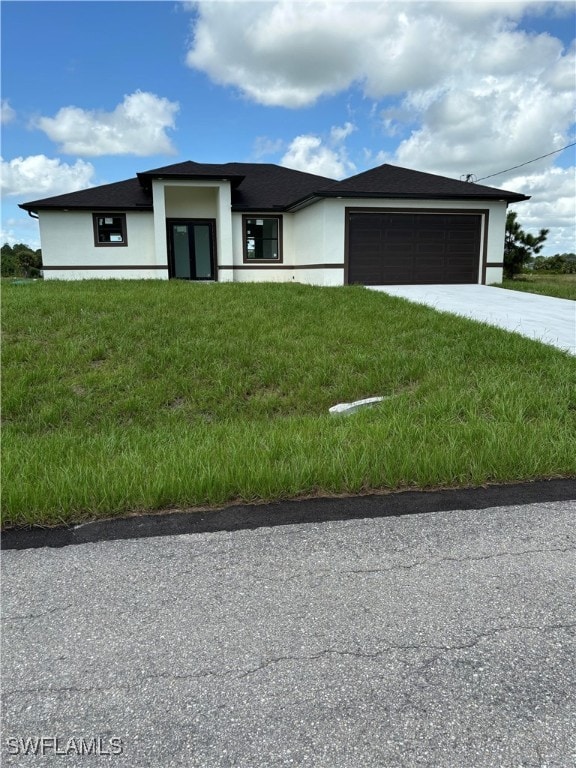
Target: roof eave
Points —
{"points": [[505, 197], [303, 202], [71, 207], [258, 208]]}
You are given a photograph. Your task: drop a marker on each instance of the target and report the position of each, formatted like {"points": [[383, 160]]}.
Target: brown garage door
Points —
{"points": [[413, 248]]}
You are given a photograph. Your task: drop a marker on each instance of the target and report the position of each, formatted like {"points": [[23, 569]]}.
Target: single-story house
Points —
{"points": [[255, 221]]}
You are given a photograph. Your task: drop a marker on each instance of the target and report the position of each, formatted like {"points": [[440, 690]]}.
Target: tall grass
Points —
{"points": [[557, 286], [122, 396]]}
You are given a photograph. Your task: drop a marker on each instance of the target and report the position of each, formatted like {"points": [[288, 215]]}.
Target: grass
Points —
{"points": [[558, 286], [127, 396]]}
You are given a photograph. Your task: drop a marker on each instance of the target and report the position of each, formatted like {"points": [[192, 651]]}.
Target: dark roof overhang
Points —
{"points": [[504, 197], [40, 207]]}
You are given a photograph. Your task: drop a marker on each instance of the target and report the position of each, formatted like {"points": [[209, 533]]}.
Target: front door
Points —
{"points": [[191, 248]]}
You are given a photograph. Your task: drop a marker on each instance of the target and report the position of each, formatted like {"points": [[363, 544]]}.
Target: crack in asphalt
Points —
{"points": [[28, 616], [321, 574], [471, 558], [411, 647], [390, 646]]}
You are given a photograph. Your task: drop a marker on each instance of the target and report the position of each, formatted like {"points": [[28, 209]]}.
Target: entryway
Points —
{"points": [[191, 248]]}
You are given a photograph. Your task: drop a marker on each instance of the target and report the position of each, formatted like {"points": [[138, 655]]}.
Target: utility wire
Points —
{"points": [[527, 162]]}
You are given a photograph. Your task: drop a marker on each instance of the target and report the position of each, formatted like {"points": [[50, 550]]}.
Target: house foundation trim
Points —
{"points": [[280, 266], [108, 266]]}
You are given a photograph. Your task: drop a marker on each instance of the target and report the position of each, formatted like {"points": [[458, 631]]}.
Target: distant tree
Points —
{"points": [[7, 261], [540, 264], [20, 260], [519, 246], [559, 264]]}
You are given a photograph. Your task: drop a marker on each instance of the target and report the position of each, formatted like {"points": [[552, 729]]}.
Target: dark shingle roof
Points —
{"points": [[123, 195], [254, 185], [264, 186], [393, 181]]}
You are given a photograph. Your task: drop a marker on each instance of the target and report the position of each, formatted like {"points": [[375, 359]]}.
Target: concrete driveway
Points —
{"points": [[543, 318]]}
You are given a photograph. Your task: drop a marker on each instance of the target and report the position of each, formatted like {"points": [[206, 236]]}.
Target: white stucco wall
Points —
{"points": [[67, 239], [191, 202], [316, 232], [312, 237], [319, 231]]}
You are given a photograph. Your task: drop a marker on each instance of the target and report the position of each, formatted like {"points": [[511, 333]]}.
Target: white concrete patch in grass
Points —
{"points": [[542, 318], [346, 408]]}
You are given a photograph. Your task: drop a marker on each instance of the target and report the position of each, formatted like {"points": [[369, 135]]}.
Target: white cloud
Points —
{"points": [[340, 133], [137, 126], [41, 176], [282, 53], [487, 128], [552, 206], [292, 53], [7, 114], [476, 91], [309, 153], [468, 90], [265, 146], [21, 230]]}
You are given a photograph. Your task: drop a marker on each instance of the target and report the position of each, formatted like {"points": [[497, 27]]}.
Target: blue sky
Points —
{"points": [[93, 92]]}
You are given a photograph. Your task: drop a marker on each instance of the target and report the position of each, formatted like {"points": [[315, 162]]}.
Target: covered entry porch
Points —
{"points": [[192, 226]]}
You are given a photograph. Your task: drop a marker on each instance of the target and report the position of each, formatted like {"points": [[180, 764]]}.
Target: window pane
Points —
{"points": [[181, 252], [270, 228], [110, 229], [202, 252], [262, 239], [269, 249]]}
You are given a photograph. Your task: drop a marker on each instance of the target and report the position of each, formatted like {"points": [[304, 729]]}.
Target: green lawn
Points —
{"points": [[558, 286], [125, 396]]}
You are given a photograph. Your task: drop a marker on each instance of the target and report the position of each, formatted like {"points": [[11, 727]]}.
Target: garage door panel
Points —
{"points": [[435, 235], [426, 248], [462, 249], [397, 236], [459, 265], [400, 249], [405, 248]]}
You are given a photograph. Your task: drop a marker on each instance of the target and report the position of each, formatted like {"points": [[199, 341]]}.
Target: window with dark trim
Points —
{"points": [[262, 238], [110, 229]]}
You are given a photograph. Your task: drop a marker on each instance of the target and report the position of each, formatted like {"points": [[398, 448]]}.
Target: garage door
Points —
{"points": [[388, 248]]}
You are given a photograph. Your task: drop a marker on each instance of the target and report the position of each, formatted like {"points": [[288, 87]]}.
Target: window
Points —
{"points": [[110, 229], [262, 238]]}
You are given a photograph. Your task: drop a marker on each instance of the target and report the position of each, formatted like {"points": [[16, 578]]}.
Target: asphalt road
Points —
{"points": [[444, 639]]}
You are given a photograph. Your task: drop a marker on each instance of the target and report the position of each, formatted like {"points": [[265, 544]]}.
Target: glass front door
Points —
{"points": [[191, 249]]}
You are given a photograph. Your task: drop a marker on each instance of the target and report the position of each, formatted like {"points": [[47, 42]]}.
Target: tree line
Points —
{"points": [[521, 251], [20, 260]]}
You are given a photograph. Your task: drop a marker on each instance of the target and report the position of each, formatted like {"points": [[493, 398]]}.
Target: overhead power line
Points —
{"points": [[527, 162]]}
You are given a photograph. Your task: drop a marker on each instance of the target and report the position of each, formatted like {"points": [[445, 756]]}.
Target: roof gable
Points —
{"points": [[254, 185]]}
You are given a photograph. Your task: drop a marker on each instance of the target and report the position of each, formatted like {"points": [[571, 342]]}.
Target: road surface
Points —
{"points": [[444, 639]]}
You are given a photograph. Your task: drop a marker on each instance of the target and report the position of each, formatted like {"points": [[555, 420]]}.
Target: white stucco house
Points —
{"points": [[252, 221]]}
